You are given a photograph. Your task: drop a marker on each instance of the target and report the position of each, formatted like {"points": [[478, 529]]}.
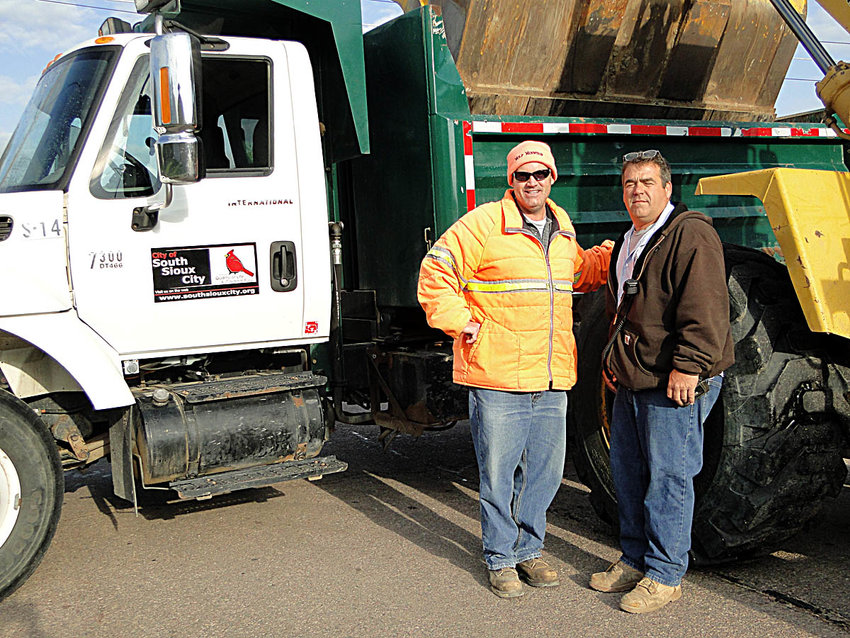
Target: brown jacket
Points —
{"points": [[679, 317]]}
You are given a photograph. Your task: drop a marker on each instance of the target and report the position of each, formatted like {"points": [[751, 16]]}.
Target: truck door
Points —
{"points": [[224, 266]]}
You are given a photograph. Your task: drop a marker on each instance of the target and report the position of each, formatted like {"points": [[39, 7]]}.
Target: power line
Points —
{"points": [[88, 6], [804, 58]]}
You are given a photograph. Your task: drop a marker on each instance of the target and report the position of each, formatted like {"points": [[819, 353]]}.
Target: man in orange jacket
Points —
{"points": [[500, 282]]}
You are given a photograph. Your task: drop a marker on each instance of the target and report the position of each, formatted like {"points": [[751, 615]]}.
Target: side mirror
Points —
{"points": [[176, 74], [178, 156]]}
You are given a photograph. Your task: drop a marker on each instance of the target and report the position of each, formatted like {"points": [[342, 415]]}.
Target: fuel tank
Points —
{"points": [[660, 59], [189, 430]]}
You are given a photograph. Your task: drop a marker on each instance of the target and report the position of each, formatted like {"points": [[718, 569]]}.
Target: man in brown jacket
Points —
{"points": [[670, 342]]}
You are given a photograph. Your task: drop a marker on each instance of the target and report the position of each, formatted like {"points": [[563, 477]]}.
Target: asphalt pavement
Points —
{"points": [[391, 547]]}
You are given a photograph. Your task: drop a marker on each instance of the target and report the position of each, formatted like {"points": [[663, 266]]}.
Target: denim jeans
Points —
{"points": [[656, 451], [520, 443]]}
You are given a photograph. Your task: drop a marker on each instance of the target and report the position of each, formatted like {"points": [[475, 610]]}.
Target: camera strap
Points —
{"points": [[630, 290]]}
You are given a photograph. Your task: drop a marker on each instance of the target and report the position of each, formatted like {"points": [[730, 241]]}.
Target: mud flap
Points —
{"points": [[121, 458]]}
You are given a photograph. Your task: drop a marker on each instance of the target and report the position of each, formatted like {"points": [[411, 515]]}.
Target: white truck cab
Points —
{"points": [[208, 276], [168, 324]]}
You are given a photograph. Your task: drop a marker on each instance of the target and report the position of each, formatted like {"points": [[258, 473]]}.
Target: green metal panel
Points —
{"points": [[449, 109], [449, 185], [416, 165], [589, 188], [333, 34]]}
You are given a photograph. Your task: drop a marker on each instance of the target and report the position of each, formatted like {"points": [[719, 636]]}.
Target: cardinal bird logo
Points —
{"points": [[234, 264]]}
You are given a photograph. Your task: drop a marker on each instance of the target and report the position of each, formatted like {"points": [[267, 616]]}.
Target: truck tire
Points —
{"points": [[773, 449], [31, 491]]}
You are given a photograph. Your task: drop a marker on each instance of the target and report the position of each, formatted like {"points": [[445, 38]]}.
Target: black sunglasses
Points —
{"points": [[522, 176], [641, 155]]}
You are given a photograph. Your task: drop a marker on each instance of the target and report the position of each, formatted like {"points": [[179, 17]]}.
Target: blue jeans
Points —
{"points": [[656, 451], [520, 441]]}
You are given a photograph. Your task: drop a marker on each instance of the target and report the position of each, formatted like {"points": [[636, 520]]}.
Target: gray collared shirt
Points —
{"points": [[546, 236]]}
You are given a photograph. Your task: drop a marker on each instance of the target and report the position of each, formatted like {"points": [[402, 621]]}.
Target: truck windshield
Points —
{"points": [[46, 142]]}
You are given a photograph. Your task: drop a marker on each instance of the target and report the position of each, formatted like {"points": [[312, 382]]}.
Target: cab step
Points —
{"points": [[221, 483]]}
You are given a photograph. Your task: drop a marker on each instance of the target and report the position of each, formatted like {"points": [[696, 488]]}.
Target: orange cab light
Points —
{"points": [[164, 96], [55, 57], [104, 40]]}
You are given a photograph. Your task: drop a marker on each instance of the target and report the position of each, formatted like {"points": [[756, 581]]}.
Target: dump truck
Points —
{"points": [[211, 225]]}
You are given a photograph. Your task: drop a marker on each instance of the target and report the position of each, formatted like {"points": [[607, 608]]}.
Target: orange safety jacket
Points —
{"points": [[489, 269]]}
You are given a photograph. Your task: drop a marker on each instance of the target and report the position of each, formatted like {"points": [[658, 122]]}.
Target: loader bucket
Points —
{"points": [[809, 212], [660, 59]]}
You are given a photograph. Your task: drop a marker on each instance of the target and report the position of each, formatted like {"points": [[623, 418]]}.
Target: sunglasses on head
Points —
{"points": [[641, 155], [522, 176]]}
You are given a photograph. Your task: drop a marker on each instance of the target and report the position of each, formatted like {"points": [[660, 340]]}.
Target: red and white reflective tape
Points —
{"points": [[646, 129], [618, 129], [468, 166]]}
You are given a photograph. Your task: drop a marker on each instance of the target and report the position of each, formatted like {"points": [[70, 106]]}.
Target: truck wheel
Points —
{"points": [[31, 491], [777, 454], [589, 407], [772, 451]]}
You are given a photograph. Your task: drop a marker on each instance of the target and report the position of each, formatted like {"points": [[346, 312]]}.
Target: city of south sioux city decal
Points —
{"points": [[203, 272]]}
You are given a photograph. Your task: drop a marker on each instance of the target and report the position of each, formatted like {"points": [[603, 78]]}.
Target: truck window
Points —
{"points": [[234, 133], [235, 130], [126, 164], [47, 140]]}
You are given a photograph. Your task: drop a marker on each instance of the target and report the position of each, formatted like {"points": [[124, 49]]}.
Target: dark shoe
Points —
{"points": [[505, 582], [618, 577], [537, 573], [649, 595]]}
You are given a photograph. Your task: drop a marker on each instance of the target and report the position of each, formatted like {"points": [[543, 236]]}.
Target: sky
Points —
{"points": [[34, 31]]}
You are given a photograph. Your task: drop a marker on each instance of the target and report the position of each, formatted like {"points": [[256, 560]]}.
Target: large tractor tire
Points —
{"points": [[31, 490], [773, 446]]}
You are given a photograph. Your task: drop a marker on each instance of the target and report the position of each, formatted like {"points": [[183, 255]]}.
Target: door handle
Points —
{"points": [[284, 266]]}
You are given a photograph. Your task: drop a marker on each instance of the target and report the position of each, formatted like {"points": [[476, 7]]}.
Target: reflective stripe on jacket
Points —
{"points": [[487, 268]]}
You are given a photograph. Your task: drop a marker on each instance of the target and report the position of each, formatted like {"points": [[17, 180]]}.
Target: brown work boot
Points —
{"points": [[648, 596], [537, 573], [505, 582], [618, 577]]}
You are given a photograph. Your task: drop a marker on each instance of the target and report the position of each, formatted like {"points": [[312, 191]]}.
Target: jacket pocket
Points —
{"points": [[464, 352], [492, 361], [630, 340], [626, 363]]}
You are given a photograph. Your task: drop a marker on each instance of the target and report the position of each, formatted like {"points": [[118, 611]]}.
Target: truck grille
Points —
{"points": [[6, 224]]}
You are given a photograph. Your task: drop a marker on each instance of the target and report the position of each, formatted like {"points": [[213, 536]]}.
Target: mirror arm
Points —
{"points": [[147, 217]]}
